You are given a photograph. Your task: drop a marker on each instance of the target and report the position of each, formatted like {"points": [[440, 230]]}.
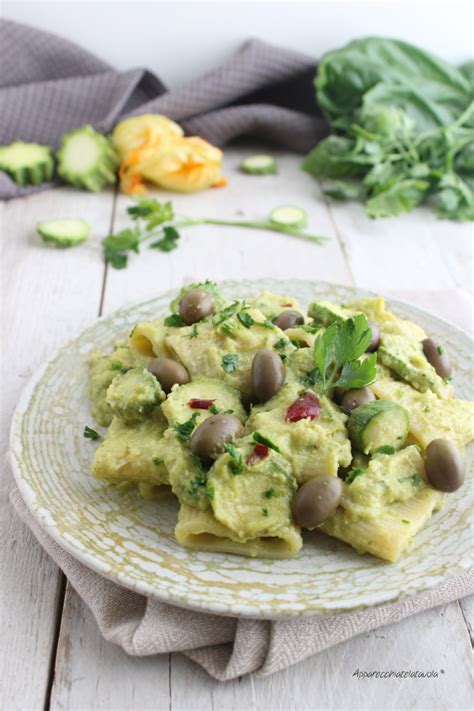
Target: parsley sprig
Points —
{"points": [[157, 221], [337, 354]]}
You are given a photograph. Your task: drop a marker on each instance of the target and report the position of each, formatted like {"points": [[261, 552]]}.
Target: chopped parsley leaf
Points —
{"points": [[427, 408], [237, 463], [270, 493], [157, 461], [281, 344], [440, 350], [261, 439], [175, 321], [89, 433], [194, 332], [184, 430], [416, 479], [245, 319], [210, 492], [198, 481], [352, 474], [385, 449], [230, 362], [265, 511], [228, 328]]}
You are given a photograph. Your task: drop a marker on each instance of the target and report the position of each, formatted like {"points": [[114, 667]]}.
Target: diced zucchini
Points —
{"points": [[63, 233], [259, 165], [326, 313], [289, 216], [133, 395], [377, 424], [87, 159], [27, 163]]}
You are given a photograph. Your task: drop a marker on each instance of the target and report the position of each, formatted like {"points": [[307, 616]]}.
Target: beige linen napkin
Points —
{"points": [[227, 647]]}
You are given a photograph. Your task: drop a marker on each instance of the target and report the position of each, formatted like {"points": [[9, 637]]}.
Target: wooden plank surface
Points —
{"points": [[415, 253]]}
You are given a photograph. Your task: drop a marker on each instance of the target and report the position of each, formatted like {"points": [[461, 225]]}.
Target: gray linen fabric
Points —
{"points": [[49, 86], [226, 647]]}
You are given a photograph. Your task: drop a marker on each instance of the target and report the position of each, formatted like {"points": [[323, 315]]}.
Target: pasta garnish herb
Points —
{"points": [[245, 319], [117, 365], [269, 494], [194, 332], [89, 433], [265, 511], [237, 464], [281, 344], [175, 321], [210, 492], [228, 328], [157, 461], [385, 449], [261, 439], [198, 481], [353, 474], [169, 241], [230, 362], [184, 430], [337, 352]]}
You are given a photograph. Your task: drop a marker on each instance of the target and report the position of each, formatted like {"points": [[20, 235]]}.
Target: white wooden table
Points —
{"points": [[52, 653]]}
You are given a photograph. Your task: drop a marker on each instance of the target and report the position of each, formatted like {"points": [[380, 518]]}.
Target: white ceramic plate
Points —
{"points": [[131, 541]]}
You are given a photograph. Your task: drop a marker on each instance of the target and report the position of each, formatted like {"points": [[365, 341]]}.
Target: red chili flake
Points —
{"points": [[198, 404], [307, 405], [260, 451], [286, 305]]}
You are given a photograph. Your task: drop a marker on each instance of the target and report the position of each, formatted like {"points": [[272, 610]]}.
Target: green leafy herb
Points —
{"points": [[228, 328], [403, 129], [245, 319], [337, 354], [440, 350], [265, 511], [184, 430], [157, 461], [353, 474], [89, 433], [194, 332], [261, 439], [174, 321], [117, 365], [269, 494], [427, 408], [237, 463], [169, 241], [385, 449], [210, 492], [198, 481], [230, 362], [156, 223], [281, 344]]}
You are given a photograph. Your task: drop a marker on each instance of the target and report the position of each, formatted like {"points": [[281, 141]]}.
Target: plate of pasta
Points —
{"points": [[272, 448]]}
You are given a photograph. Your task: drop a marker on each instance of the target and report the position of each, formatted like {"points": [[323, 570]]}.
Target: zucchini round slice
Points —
{"points": [[27, 163], [378, 424], [87, 159], [63, 233], [259, 165], [289, 216]]}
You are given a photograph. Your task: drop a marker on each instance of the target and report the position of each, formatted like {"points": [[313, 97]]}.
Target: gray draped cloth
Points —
{"points": [[49, 86]]}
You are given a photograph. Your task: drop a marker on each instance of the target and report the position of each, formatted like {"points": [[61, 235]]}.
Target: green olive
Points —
{"points": [[196, 305], [288, 319], [444, 465], [168, 372], [209, 438], [268, 374], [438, 357], [316, 500], [353, 398]]}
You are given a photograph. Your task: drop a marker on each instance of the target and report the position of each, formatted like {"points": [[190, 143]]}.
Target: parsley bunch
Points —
{"points": [[337, 353], [157, 221]]}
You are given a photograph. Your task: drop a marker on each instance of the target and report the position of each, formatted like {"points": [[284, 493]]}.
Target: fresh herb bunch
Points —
{"points": [[337, 354], [403, 123], [157, 224]]}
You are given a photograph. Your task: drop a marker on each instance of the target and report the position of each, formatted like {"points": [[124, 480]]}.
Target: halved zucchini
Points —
{"points": [[378, 424]]}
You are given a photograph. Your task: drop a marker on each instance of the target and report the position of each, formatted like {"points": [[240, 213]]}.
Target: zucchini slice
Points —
{"points": [[260, 164], [378, 424], [63, 233], [289, 216], [87, 159], [27, 163]]}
